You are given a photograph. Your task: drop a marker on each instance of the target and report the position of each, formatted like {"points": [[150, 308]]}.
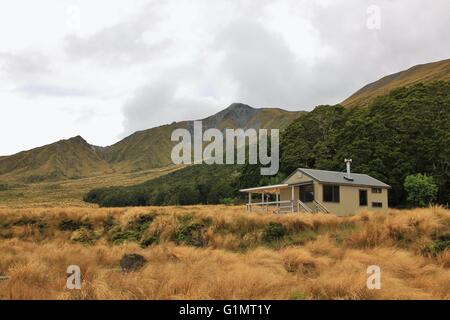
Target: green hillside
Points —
{"points": [[423, 73], [142, 150], [65, 159], [152, 148]]}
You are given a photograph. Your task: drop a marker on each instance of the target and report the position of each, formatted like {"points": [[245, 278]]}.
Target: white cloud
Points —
{"points": [[131, 65]]}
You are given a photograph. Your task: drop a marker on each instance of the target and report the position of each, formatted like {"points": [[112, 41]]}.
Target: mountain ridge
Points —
{"points": [[142, 150], [151, 148], [425, 73]]}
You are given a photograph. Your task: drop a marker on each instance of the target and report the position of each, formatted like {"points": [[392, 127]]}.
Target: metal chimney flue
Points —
{"points": [[348, 162]]}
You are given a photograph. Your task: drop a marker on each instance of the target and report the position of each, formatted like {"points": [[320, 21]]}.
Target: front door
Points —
{"points": [[306, 193]]}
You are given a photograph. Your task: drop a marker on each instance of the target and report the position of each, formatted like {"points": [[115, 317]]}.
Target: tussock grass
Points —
{"points": [[221, 252]]}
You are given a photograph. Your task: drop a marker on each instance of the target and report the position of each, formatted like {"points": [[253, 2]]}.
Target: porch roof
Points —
{"points": [[266, 189]]}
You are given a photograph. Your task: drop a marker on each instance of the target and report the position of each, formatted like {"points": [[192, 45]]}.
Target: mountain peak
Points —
{"points": [[77, 139], [238, 106]]}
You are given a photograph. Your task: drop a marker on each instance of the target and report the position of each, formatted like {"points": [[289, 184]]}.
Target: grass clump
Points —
{"points": [[109, 223], [26, 221], [73, 225], [439, 245], [149, 240], [273, 232], [133, 231], [83, 236], [191, 231]]}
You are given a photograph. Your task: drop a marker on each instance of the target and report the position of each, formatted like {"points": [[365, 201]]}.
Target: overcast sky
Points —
{"points": [[105, 68]]}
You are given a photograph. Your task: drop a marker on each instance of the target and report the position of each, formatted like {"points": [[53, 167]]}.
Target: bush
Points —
{"points": [[118, 236], [273, 232], [190, 231], [421, 190], [83, 236], [109, 223], [133, 231], [25, 221], [442, 243], [72, 225], [149, 240], [230, 201], [132, 262]]}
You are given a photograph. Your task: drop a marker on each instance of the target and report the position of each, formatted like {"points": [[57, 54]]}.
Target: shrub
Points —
{"points": [[441, 244], [108, 223], [132, 262], [25, 221], [190, 231], [273, 232], [229, 201], [83, 236], [72, 225], [118, 236], [133, 231], [421, 190], [149, 240]]}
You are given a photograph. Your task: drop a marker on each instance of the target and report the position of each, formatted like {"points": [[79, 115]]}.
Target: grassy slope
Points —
{"points": [[65, 159], [194, 252], [152, 148], [421, 73], [70, 192], [143, 150]]}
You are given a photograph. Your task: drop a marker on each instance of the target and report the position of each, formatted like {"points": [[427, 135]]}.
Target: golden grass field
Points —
{"points": [[222, 252]]}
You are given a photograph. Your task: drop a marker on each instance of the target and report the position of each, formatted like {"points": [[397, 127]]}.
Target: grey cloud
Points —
{"points": [[411, 33], [261, 64], [121, 44], [32, 73], [40, 89], [258, 63], [24, 65], [157, 104], [267, 73]]}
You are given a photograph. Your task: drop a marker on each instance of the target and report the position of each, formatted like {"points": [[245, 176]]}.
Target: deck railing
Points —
{"points": [[279, 206], [276, 205]]}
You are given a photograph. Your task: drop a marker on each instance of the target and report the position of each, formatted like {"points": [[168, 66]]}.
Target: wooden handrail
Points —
{"points": [[321, 206], [269, 202], [304, 206]]}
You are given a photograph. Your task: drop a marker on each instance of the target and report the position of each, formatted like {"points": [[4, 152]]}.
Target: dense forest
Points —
{"points": [[402, 133], [195, 184]]}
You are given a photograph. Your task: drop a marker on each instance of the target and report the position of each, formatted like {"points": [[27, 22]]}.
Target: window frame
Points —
{"points": [[377, 190], [335, 195], [367, 198], [377, 204]]}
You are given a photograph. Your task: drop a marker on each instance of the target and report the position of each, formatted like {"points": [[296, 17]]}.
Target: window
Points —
{"points": [[363, 197], [377, 205], [376, 190], [330, 193], [307, 193]]}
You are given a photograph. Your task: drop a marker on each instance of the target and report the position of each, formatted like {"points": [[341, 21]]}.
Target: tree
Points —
{"points": [[421, 189]]}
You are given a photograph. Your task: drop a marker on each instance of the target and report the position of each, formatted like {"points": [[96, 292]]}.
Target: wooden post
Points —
{"points": [[277, 197], [292, 198], [250, 202]]}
